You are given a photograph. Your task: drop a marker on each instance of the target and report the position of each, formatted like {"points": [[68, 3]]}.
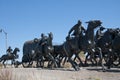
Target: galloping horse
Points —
{"points": [[105, 41], [114, 57], [108, 42], [85, 43], [11, 57], [48, 51], [116, 47]]}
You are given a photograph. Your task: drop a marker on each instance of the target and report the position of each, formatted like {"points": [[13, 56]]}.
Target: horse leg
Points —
{"points": [[86, 59], [75, 57], [64, 61], [81, 63], [16, 64], [41, 61], [110, 57], [4, 63], [50, 63], [74, 64], [101, 59], [52, 59], [12, 62], [58, 60], [92, 58], [109, 63]]}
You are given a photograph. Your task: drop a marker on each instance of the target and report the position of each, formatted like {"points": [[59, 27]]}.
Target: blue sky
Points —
{"points": [[26, 19]]}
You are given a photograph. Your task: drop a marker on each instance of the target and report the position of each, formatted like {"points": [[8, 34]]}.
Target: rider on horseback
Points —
{"points": [[99, 33], [9, 50], [78, 29]]}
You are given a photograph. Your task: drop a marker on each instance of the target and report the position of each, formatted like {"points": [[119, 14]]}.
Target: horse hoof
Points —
{"points": [[108, 67], [104, 70], [77, 68]]}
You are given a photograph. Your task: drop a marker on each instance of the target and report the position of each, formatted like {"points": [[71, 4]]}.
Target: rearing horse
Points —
{"points": [[11, 57]]}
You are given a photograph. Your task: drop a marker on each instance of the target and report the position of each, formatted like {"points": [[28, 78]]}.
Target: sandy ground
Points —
{"points": [[86, 73]]}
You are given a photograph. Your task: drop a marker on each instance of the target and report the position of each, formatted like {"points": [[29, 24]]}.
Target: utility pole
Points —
{"points": [[2, 30]]}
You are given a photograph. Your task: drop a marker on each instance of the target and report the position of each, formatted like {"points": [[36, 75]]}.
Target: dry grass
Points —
{"points": [[82, 55], [46, 74], [32, 76], [67, 65], [92, 78], [5, 75]]}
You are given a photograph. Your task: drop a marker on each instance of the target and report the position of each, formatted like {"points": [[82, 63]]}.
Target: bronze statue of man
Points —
{"points": [[99, 33], [77, 29], [9, 50]]}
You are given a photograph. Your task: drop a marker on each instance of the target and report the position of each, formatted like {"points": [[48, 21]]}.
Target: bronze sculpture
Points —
{"points": [[11, 57], [77, 29]]}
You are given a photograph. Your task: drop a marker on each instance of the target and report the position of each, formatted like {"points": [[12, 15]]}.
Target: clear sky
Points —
{"points": [[26, 19]]}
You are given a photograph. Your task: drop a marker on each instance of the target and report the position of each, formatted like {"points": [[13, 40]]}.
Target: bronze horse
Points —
{"points": [[109, 44], [116, 47], [11, 57], [85, 43], [114, 57], [47, 53]]}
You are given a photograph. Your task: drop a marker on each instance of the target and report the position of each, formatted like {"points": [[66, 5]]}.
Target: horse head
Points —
{"points": [[92, 24], [88, 39], [89, 36], [16, 50]]}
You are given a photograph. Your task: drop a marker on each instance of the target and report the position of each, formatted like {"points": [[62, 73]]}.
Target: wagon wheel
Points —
{"points": [[26, 62]]}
